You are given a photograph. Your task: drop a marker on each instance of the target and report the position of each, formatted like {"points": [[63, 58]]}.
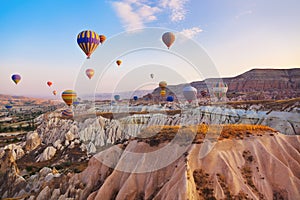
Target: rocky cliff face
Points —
{"points": [[256, 84]]}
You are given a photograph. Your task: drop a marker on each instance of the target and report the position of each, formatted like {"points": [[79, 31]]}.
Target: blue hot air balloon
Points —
{"points": [[135, 98], [170, 99]]}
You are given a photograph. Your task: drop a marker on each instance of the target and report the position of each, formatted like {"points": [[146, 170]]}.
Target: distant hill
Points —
{"points": [[255, 84]]}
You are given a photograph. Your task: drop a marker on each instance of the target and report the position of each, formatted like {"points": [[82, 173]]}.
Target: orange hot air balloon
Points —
{"points": [[54, 92], [69, 96], [168, 38], [102, 38], [119, 62], [90, 73], [49, 83]]}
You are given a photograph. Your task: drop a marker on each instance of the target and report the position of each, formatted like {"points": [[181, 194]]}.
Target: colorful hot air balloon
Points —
{"points": [[54, 92], [170, 99], [68, 113], [90, 73], [117, 97], [49, 83], [190, 93], [163, 85], [69, 96], [220, 89], [119, 62], [16, 78], [163, 93], [168, 38], [102, 38], [152, 76], [88, 41], [135, 98]]}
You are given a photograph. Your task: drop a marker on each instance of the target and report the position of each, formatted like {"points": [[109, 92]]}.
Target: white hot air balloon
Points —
{"points": [[190, 93]]}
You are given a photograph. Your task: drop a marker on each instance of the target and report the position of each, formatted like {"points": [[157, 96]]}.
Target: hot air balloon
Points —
{"points": [[152, 76], [170, 99], [219, 90], [90, 73], [8, 107], [163, 85], [102, 38], [49, 83], [54, 92], [69, 96], [68, 113], [119, 62], [163, 93], [76, 103], [190, 93], [135, 98], [16, 78], [88, 41], [168, 38], [117, 97]]}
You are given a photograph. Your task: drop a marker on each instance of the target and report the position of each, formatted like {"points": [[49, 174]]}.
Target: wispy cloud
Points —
{"points": [[191, 32], [134, 14], [241, 14], [177, 7]]}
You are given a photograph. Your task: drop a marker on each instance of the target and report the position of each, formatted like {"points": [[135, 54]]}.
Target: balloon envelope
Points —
{"points": [[54, 92], [68, 113], [90, 73], [69, 96], [168, 38], [190, 93], [119, 62], [117, 97], [102, 38], [8, 107], [152, 76], [163, 84], [16, 78], [88, 41], [135, 98], [49, 83], [220, 89], [163, 93], [170, 99]]}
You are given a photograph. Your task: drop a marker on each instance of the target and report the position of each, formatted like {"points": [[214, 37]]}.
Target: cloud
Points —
{"points": [[177, 8], [191, 32], [247, 12], [134, 14]]}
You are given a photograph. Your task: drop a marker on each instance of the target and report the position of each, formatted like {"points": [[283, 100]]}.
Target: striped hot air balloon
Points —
{"points": [[163, 93], [68, 113], [220, 89], [69, 96], [88, 41]]}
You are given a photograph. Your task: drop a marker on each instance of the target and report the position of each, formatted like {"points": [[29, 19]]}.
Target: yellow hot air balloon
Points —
{"points": [[69, 96], [163, 93], [90, 73], [119, 62], [168, 38]]}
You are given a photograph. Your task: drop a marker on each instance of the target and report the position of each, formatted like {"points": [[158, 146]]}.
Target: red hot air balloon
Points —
{"points": [[49, 83]]}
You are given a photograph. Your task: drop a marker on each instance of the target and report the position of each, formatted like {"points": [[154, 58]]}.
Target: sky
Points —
{"points": [[38, 41]]}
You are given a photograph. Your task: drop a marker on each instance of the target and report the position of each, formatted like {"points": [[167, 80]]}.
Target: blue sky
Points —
{"points": [[38, 38]]}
